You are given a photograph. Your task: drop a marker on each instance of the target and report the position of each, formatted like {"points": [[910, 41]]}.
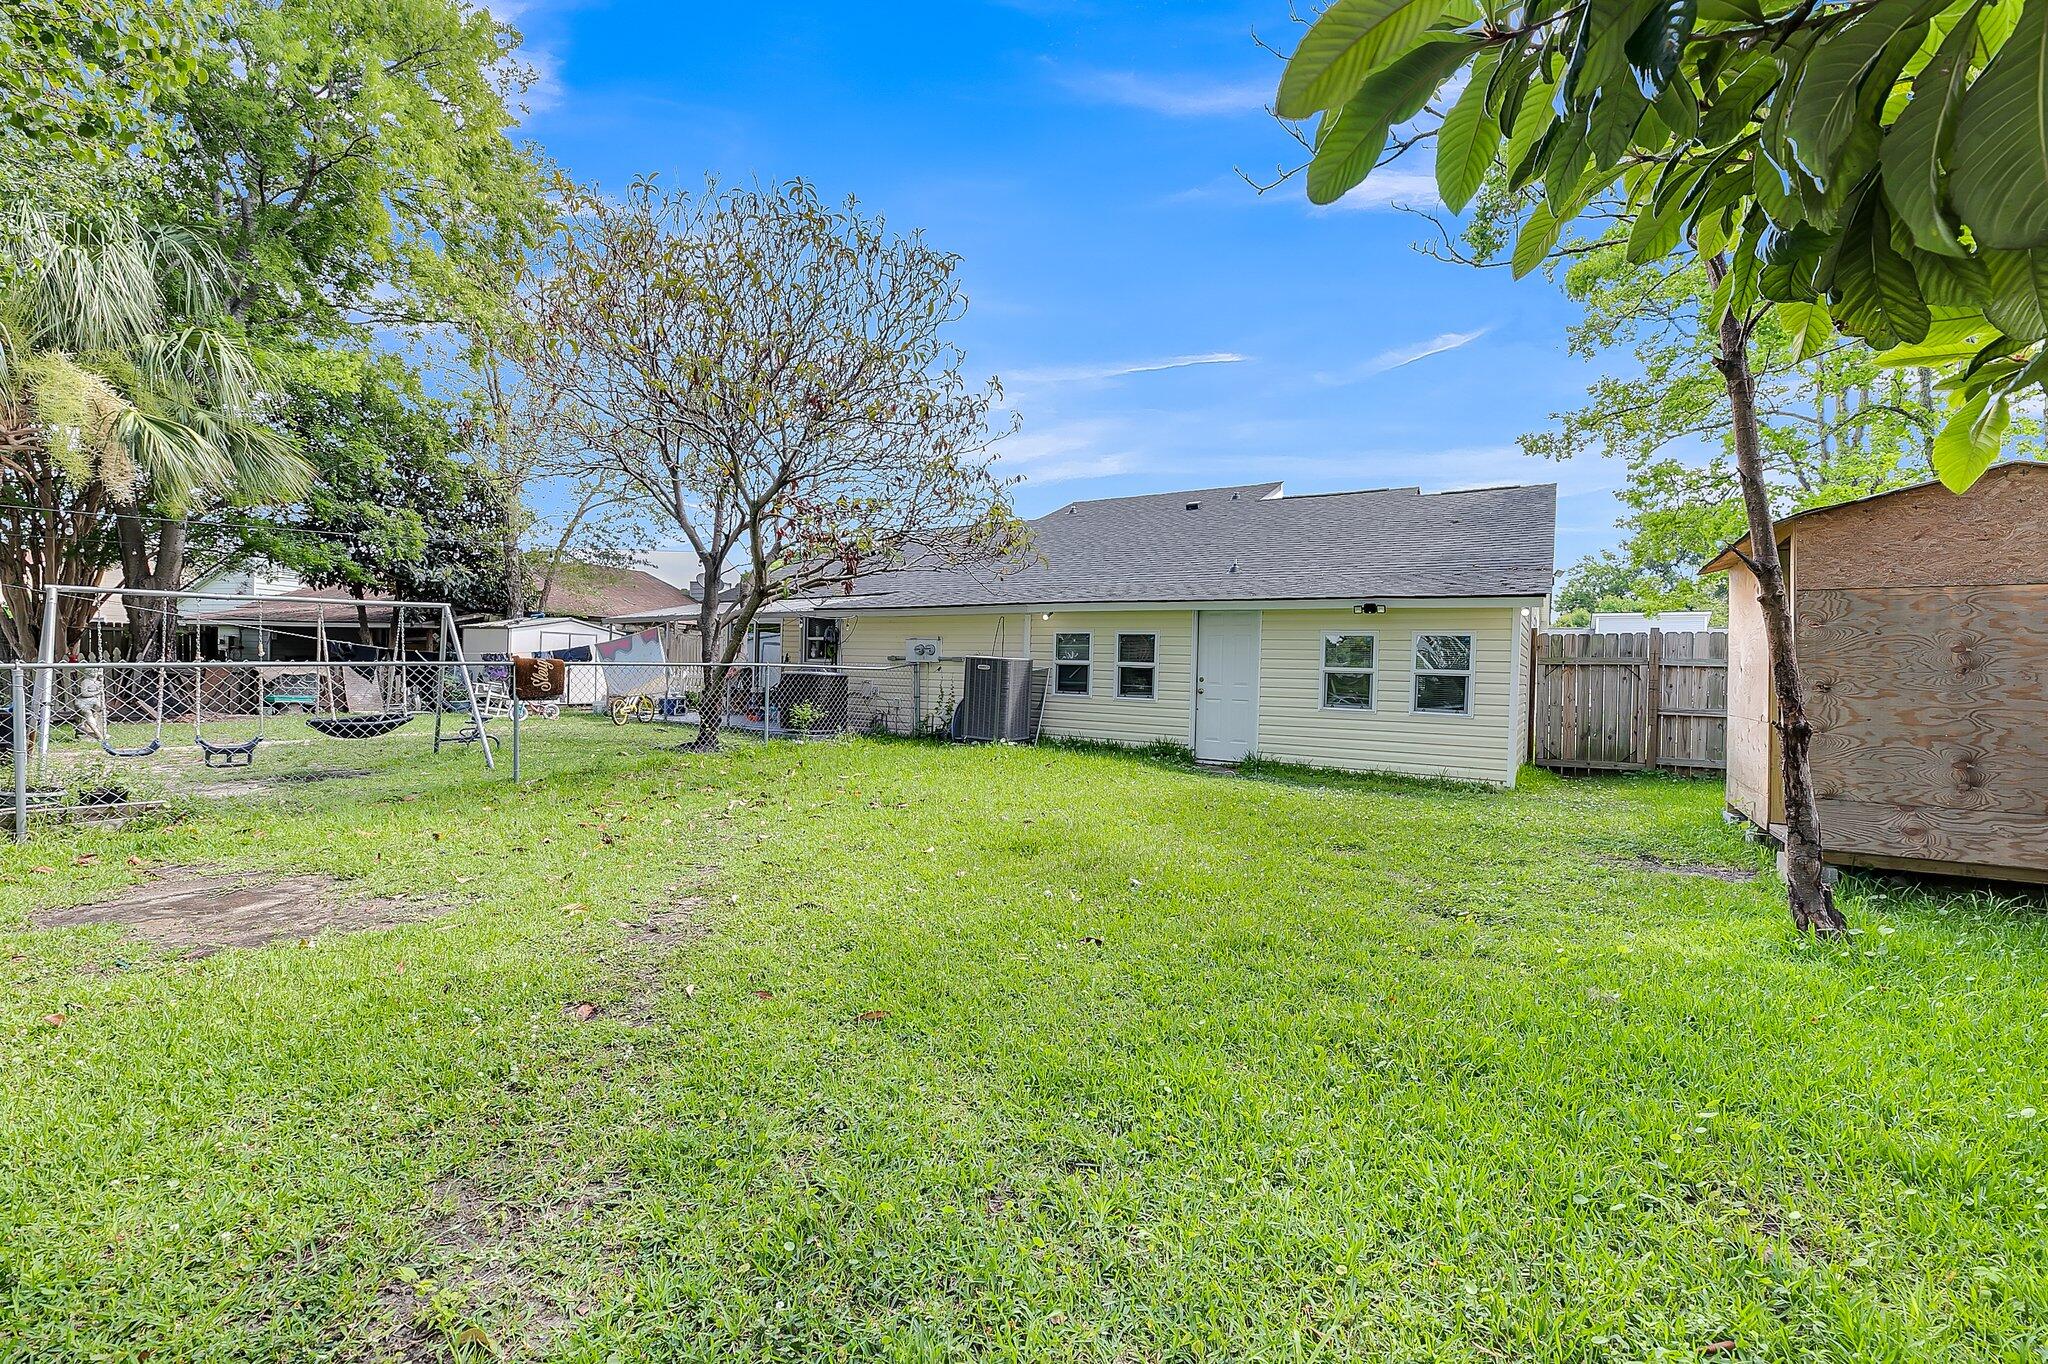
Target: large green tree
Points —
{"points": [[355, 161], [393, 509], [79, 79], [1878, 166], [353, 165]]}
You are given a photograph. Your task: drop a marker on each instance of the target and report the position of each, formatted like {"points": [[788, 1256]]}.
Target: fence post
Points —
{"points": [[17, 721], [46, 680], [1653, 699]]}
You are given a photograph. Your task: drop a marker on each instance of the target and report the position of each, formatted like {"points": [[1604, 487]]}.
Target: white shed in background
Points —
{"points": [[537, 635], [1636, 622]]}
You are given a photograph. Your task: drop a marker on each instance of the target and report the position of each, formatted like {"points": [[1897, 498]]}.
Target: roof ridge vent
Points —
{"points": [[1194, 506]]}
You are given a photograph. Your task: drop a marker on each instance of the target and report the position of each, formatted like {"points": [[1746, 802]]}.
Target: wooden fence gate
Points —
{"points": [[1613, 703]]}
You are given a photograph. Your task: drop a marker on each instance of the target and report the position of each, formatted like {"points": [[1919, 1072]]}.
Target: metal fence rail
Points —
{"points": [[1629, 702], [81, 735]]}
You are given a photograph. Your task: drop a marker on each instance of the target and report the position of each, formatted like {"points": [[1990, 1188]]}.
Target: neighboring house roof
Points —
{"points": [[1732, 554], [1250, 543], [601, 592], [293, 608]]}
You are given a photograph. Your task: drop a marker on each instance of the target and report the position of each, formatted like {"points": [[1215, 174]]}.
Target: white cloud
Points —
{"points": [[1400, 356], [1073, 374], [1069, 451], [1406, 185], [1174, 97], [1392, 187]]}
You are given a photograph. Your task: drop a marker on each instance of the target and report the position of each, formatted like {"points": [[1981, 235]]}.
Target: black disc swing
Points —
{"points": [[156, 739], [242, 754], [213, 752], [369, 716]]}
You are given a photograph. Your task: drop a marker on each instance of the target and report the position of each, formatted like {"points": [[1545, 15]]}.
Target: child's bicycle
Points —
{"points": [[626, 708]]}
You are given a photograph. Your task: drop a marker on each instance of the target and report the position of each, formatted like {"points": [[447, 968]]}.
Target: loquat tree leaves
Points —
{"points": [[1875, 168]]}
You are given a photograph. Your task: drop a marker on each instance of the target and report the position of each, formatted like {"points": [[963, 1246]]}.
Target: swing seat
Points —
{"points": [[229, 755], [372, 726], [143, 752]]}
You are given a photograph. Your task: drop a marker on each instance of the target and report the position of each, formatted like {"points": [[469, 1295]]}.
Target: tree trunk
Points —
{"points": [[152, 621], [515, 579], [1813, 903]]}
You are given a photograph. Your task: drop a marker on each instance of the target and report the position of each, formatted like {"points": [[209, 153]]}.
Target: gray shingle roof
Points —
{"points": [[1250, 543]]}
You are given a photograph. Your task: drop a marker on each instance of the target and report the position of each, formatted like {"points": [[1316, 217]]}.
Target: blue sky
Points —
{"points": [[1156, 323]]}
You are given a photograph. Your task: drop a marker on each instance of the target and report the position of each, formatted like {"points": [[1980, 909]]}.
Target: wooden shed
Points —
{"points": [[1920, 619]]}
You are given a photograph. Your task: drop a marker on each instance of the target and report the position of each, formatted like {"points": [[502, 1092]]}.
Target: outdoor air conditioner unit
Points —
{"points": [[1000, 700]]}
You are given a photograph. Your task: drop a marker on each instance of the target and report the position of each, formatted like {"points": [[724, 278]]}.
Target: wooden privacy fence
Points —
{"points": [[1625, 702]]}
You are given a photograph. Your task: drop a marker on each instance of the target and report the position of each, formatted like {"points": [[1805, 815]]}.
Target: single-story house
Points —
{"points": [[287, 627], [1383, 630], [1920, 622]]}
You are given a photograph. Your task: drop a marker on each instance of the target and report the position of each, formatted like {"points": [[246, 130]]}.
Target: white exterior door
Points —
{"points": [[1226, 685]]}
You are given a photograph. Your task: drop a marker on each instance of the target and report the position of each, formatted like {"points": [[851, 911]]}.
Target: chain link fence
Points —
{"points": [[109, 740]]}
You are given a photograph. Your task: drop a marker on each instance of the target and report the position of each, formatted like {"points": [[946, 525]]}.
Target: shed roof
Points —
{"points": [[1251, 542], [1731, 554]]}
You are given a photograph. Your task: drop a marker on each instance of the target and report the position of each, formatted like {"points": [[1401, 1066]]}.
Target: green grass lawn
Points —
{"points": [[908, 1052]]}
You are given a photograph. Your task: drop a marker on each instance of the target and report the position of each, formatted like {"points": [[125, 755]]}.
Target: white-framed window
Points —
{"points": [[1443, 674], [1073, 662], [821, 639], [1349, 664], [1137, 666]]}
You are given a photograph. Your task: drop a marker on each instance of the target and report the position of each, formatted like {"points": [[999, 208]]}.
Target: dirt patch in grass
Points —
{"points": [[1734, 875], [264, 785], [478, 1289], [202, 911]]}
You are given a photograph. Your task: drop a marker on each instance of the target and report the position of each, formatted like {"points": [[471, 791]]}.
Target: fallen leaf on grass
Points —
{"points": [[689, 992], [764, 994], [871, 1016], [41, 871], [1719, 1347], [134, 861], [54, 1020], [582, 1012], [85, 860], [574, 907]]}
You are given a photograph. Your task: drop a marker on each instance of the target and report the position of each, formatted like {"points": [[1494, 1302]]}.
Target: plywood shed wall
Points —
{"points": [[1920, 620]]}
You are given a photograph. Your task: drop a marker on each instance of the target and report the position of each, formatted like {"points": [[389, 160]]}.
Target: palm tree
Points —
{"points": [[124, 407]]}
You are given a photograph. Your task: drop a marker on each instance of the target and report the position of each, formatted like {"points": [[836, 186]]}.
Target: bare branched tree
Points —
{"points": [[773, 378]]}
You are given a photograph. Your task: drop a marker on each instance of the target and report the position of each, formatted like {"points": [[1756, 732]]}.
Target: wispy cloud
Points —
{"points": [[1399, 357], [1400, 186], [1078, 374], [1067, 452], [1172, 96], [1392, 187]]}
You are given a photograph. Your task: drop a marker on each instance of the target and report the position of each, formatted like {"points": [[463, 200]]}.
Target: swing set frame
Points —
{"points": [[48, 665]]}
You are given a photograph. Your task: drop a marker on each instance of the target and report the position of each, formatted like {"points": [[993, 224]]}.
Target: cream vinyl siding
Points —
{"points": [[1524, 630], [1102, 714], [1294, 726], [866, 640]]}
